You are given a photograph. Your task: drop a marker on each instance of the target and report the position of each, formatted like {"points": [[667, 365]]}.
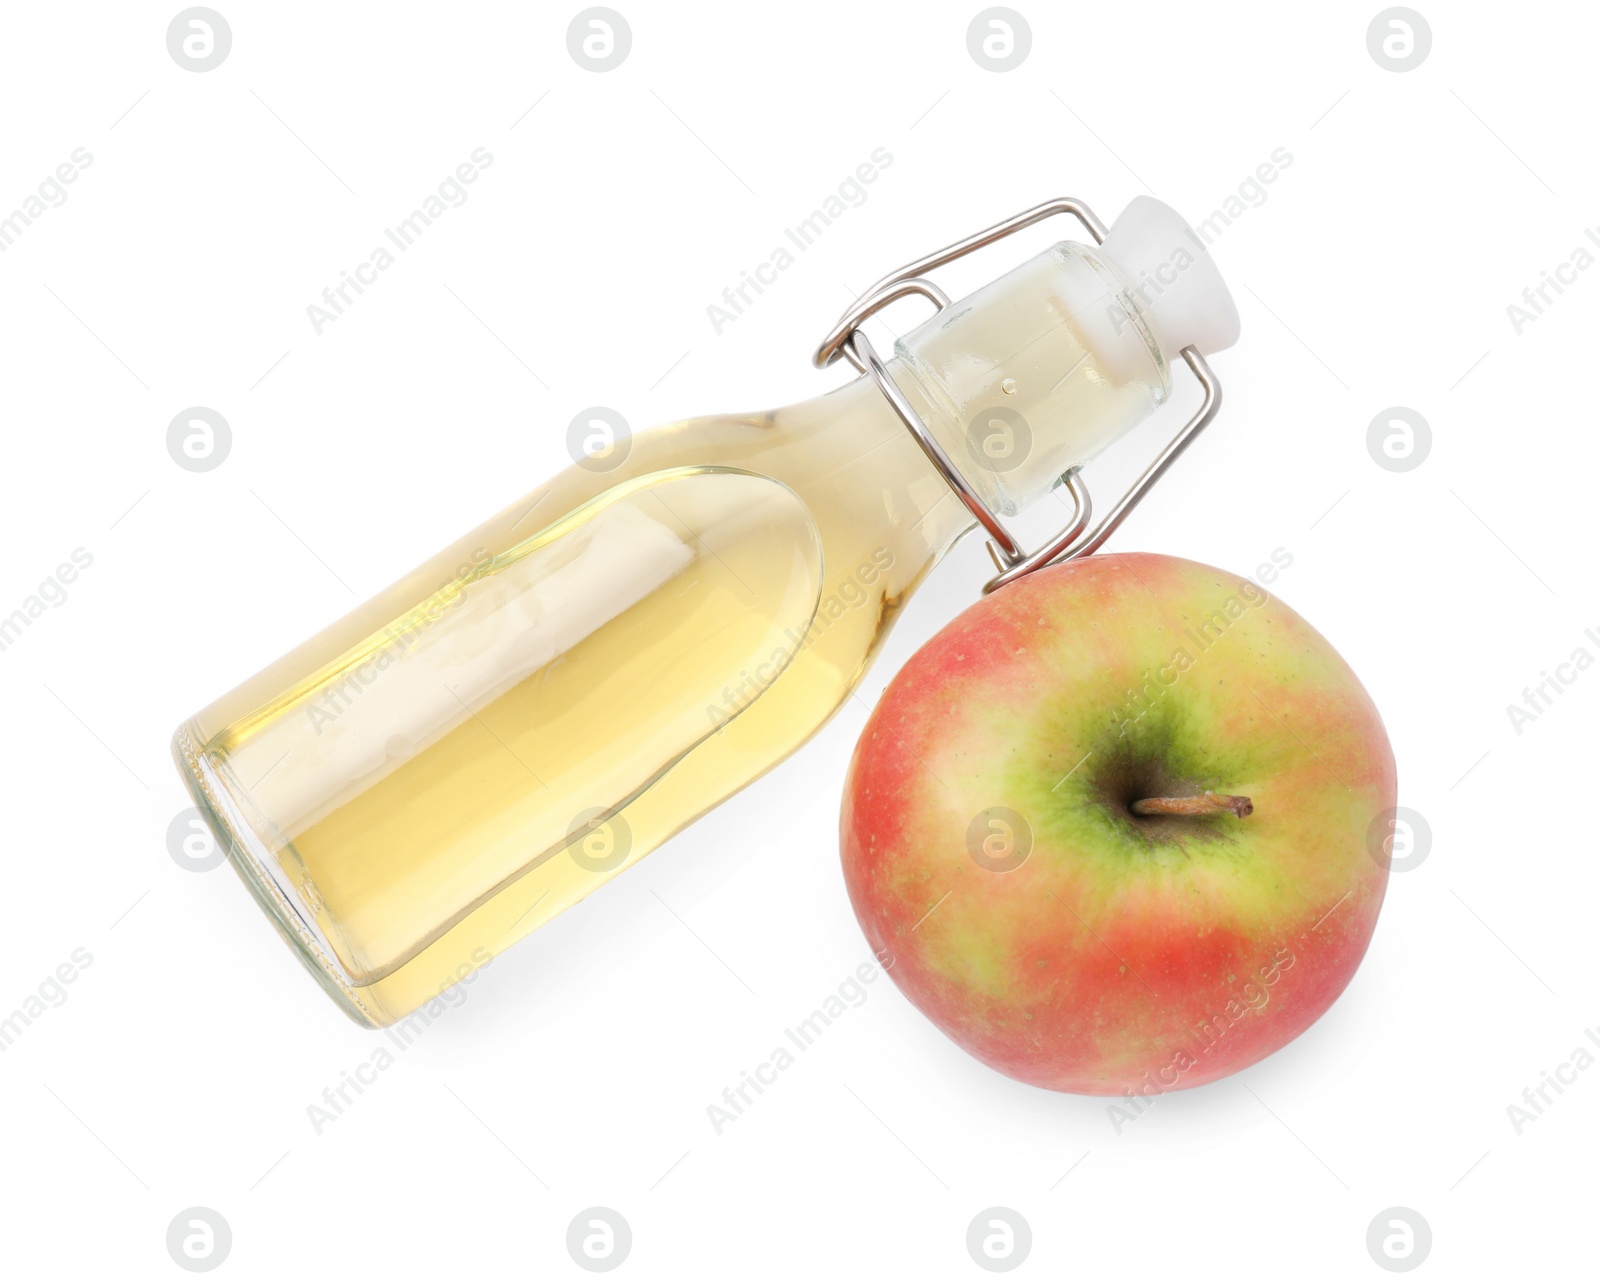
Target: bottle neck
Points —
{"points": [[1034, 374]]}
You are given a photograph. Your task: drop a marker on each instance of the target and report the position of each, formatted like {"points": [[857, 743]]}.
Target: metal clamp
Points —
{"points": [[846, 339]]}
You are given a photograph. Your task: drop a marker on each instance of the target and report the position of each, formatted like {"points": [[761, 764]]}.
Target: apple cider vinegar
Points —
{"points": [[491, 738]]}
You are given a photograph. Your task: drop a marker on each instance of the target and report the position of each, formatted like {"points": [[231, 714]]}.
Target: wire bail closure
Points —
{"points": [[847, 339]]}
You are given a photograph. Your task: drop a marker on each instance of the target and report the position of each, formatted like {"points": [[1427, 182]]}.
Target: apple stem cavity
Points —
{"points": [[1194, 806]]}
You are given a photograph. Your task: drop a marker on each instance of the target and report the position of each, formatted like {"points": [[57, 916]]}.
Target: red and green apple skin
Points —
{"points": [[1124, 954]]}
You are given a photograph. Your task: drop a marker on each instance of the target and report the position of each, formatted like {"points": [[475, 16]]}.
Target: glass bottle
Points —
{"points": [[489, 739]]}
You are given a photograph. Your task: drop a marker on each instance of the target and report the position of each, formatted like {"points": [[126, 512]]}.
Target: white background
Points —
{"points": [[1377, 272]]}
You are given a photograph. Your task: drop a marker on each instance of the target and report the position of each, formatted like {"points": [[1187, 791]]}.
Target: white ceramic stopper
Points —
{"points": [[1178, 286]]}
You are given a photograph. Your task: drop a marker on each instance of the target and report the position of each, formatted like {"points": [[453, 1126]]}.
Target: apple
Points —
{"points": [[1120, 827]]}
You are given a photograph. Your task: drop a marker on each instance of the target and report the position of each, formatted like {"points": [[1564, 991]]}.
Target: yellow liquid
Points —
{"points": [[493, 737], [413, 846]]}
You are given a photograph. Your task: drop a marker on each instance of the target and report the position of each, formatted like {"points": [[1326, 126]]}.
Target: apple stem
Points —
{"points": [[1188, 806]]}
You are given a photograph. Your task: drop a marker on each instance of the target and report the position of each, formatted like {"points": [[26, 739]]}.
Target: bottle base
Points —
{"points": [[247, 855]]}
